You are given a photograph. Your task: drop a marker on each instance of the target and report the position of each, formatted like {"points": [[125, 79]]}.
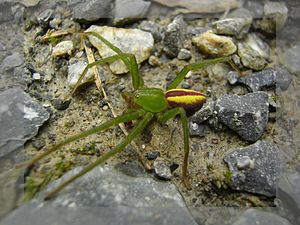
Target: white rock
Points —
{"points": [[74, 71], [133, 41], [63, 48]]}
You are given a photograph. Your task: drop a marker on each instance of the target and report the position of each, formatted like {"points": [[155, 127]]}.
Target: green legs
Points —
{"points": [[171, 114], [137, 130], [120, 119], [197, 66]]}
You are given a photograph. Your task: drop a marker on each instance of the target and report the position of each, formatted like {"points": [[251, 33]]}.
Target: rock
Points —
{"points": [[275, 16], [152, 155], [106, 195], [255, 216], [133, 41], [256, 8], [254, 53], [255, 168], [36, 76], [153, 28], [130, 10], [30, 3], [162, 168], [174, 36], [265, 79], [38, 143], [20, 118], [184, 54], [247, 115], [232, 26], [240, 13], [74, 71], [14, 60], [290, 58], [288, 193], [6, 13], [44, 16], [197, 129], [90, 10], [63, 48], [204, 113], [215, 45], [60, 104]]}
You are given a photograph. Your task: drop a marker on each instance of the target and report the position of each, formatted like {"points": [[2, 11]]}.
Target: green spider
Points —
{"points": [[146, 105]]}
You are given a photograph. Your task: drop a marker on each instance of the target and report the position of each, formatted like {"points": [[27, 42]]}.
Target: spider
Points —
{"points": [[147, 104]]}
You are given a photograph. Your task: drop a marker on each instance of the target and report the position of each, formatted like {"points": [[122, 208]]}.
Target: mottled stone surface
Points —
{"points": [[109, 196], [255, 216], [213, 44], [174, 36], [291, 58], [90, 10], [254, 52], [20, 118], [255, 168], [247, 115], [133, 41]]}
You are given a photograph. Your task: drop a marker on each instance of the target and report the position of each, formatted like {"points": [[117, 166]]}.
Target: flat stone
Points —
{"points": [[14, 60], [130, 10], [6, 13], [109, 196], [214, 45], [265, 79], [20, 118], [254, 53], [152, 27], [63, 48], [247, 114], [134, 41], [162, 169], [204, 113], [255, 168], [75, 70], [233, 26], [255, 216], [90, 10], [174, 36]]}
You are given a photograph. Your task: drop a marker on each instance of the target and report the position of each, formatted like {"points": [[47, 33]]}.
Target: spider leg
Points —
{"points": [[120, 119], [171, 114], [197, 66], [137, 130]]}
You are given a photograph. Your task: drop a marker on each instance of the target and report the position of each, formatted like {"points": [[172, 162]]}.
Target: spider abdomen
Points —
{"points": [[185, 98]]}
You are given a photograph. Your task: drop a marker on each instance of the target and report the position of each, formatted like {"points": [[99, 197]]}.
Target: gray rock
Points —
{"points": [[6, 13], [154, 28], [254, 52], [75, 69], [197, 129], [233, 26], [264, 79], [44, 16], [289, 194], [240, 13], [135, 41], [275, 16], [109, 196], [162, 168], [90, 10], [174, 36], [254, 217], [184, 54], [255, 168], [20, 118], [11, 61], [204, 113], [256, 8], [247, 115], [130, 10], [290, 58]]}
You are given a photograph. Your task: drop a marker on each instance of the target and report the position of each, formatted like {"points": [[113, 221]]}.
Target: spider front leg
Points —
{"points": [[169, 115]]}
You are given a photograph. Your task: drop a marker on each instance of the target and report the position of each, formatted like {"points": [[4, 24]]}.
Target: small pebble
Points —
{"points": [[162, 169], [153, 60], [152, 155], [36, 76], [60, 104], [105, 108], [38, 143], [244, 163], [184, 54], [63, 48]]}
